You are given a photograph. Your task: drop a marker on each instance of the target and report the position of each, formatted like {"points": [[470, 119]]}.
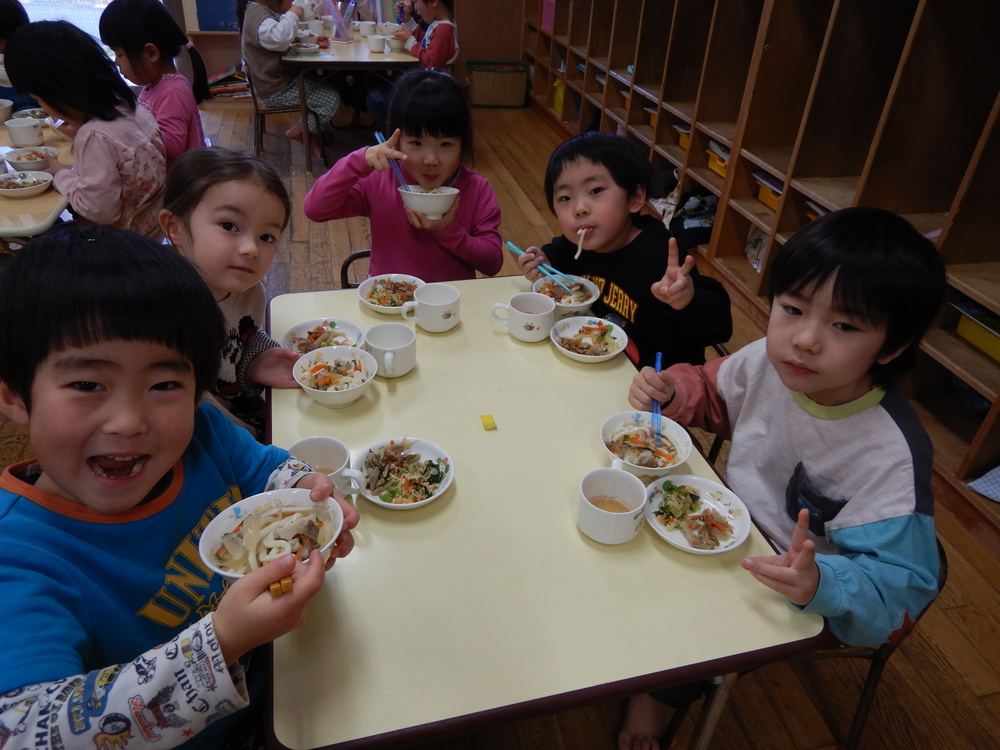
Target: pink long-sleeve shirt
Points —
{"points": [[470, 243], [172, 103]]}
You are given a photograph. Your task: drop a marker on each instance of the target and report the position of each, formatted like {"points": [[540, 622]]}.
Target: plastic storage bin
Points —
{"points": [[979, 327], [497, 84]]}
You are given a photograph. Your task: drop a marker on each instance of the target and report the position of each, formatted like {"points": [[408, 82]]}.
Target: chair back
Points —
{"points": [[347, 279]]}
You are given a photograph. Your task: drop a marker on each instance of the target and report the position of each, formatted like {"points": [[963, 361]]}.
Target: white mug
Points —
{"points": [[25, 131], [528, 315], [6, 105], [434, 307], [376, 43], [394, 346], [611, 505], [329, 456], [367, 28], [315, 26]]}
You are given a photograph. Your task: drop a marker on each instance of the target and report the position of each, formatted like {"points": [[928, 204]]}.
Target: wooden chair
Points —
{"points": [[878, 656], [345, 268], [260, 111]]}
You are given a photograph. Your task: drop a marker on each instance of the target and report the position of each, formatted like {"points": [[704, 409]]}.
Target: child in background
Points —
{"points": [[146, 39], [597, 183], [114, 632], [829, 458], [429, 32], [432, 135], [223, 210], [117, 145], [267, 29], [12, 17]]}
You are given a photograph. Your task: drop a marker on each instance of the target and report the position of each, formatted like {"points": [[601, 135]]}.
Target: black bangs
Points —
{"points": [[431, 102]]}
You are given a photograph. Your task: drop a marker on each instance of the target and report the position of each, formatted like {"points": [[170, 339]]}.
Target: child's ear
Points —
{"points": [[152, 52], [637, 200], [12, 405], [885, 359], [169, 225]]}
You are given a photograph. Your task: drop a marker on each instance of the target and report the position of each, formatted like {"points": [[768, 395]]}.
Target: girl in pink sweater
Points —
{"points": [[432, 135]]}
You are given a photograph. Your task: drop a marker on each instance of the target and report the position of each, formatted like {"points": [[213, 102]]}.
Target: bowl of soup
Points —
{"points": [[629, 436], [335, 376]]}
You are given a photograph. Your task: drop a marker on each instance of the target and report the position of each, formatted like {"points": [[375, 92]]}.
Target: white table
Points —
{"points": [[488, 602]]}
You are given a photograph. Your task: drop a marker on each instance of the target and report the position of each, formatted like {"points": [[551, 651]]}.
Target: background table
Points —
{"points": [[26, 217], [346, 56], [488, 602]]}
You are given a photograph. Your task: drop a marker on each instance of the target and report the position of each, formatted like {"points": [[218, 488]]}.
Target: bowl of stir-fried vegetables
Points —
{"points": [[259, 528], [388, 292], [696, 514], [30, 158], [629, 436], [405, 473], [588, 339], [577, 301], [320, 333], [335, 376], [24, 184]]}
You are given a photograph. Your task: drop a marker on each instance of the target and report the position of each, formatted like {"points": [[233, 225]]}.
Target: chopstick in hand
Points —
{"points": [[543, 267], [655, 421], [394, 164]]}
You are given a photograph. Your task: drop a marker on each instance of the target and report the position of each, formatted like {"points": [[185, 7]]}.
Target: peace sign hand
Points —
{"points": [[676, 288], [795, 573]]}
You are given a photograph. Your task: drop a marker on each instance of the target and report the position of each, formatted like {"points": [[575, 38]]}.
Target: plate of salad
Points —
{"points": [[388, 292], [405, 473], [696, 514], [588, 339]]}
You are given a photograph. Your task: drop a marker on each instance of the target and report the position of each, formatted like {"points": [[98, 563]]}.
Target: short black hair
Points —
{"points": [[431, 102], [83, 285], [197, 170], [882, 268], [129, 25], [12, 17], [66, 68], [628, 166]]}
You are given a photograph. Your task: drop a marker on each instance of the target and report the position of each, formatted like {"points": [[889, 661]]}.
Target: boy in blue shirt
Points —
{"points": [[113, 630], [830, 459]]}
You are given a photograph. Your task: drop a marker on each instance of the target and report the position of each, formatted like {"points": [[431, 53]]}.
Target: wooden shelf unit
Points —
{"points": [[894, 104]]}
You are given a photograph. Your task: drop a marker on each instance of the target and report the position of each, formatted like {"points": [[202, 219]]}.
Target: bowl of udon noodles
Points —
{"points": [[319, 333], [260, 528], [335, 376], [630, 437], [577, 301]]}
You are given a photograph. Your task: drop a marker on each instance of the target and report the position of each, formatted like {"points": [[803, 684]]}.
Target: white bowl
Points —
{"points": [[676, 435], [30, 158], [573, 326], [305, 49], [15, 185], [549, 288], [388, 28], [331, 398], [433, 205], [712, 495], [381, 280], [36, 113], [396, 45], [426, 450], [350, 334], [5, 109], [231, 517]]}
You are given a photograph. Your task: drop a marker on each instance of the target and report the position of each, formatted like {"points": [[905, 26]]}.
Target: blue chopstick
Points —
{"points": [[656, 404], [544, 267], [392, 163]]}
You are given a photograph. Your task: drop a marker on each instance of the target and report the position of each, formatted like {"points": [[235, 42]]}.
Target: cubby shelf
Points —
{"points": [[891, 104]]}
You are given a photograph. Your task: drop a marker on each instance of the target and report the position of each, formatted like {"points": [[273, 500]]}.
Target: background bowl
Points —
{"points": [[368, 283], [432, 205], [36, 113], [423, 448], [10, 188], [668, 429], [388, 28], [396, 45], [572, 325], [305, 49], [336, 399], [25, 158], [5, 109], [566, 310], [352, 331], [232, 516]]}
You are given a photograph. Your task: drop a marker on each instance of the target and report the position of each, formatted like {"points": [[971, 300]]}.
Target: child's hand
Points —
{"points": [[419, 220], [320, 488], [248, 616], [647, 385], [402, 35], [378, 156], [676, 288], [274, 367], [297, 10], [407, 6], [53, 165], [795, 573], [529, 262]]}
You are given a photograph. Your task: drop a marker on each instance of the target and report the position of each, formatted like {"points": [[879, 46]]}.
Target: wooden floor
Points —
{"points": [[942, 687]]}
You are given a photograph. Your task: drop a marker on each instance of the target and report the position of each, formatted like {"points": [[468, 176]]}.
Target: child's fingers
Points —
{"points": [[801, 532], [672, 253]]}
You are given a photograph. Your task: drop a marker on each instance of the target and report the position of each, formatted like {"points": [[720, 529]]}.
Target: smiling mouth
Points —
{"points": [[117, 467]]}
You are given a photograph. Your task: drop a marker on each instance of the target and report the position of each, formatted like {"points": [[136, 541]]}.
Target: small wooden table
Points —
{"points": [[27, 217], [345, 56], [488, 603]]}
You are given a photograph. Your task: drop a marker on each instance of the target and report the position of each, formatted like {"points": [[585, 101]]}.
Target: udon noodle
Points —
{"points": [[273, 530]]}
